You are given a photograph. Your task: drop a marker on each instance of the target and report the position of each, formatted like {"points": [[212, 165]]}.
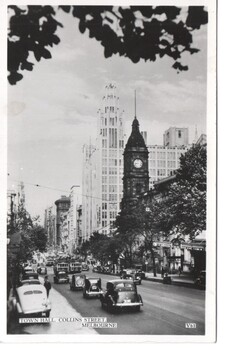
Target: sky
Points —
{"points": [[52, 111]]}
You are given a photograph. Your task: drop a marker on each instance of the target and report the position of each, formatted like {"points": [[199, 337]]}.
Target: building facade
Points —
{"points": [[75, 202], [136, 175], [103, 168], [50, 226], [62, 206], [163, 161], [176, 137]]}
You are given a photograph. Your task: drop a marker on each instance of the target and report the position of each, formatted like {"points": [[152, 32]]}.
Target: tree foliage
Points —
{"points": [[136, 32], [185, 207]]}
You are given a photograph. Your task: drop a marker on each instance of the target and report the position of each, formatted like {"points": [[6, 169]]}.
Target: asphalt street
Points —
{"points": [[167, 309]]}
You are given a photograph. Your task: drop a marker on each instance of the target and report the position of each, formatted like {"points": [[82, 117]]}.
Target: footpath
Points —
{"points": [[182, 280], [60, 309]]}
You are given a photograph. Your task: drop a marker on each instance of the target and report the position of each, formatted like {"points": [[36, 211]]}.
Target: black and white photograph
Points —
{"points": [[110, 171]]}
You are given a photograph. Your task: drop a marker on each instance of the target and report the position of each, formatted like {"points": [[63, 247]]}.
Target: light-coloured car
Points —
{"points": [[31, 300]]}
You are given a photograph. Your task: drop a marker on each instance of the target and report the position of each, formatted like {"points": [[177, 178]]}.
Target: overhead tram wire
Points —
{"points": [[60, 190]]}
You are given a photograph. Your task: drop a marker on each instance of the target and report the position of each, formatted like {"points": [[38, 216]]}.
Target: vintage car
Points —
{"points": [[121, 294], [29, 282], [77, 282], [130, 274], [42, 270], [29, 275], [92, 287], [200, 281], [133, 277], [31, 300], [61, 277]]}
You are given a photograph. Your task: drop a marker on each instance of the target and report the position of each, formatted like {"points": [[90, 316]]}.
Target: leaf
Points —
{"points": [[27, 65], [45, 53], [14, 77]]}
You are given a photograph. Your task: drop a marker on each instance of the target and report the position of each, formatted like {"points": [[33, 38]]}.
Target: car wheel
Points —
{"points": [[137, 308], [48, 314]]}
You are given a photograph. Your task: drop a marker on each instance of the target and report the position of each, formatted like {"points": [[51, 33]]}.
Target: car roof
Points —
{"points": [[31, 281], [28, 287], [119, 281]]}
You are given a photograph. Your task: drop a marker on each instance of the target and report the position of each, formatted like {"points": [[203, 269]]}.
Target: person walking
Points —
{"points": [[47, 285]]}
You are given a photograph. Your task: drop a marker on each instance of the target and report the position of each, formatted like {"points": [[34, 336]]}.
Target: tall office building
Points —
{"points": [[75, 202], [103, 168], [163, 160], [50, 226], [175, 137]]}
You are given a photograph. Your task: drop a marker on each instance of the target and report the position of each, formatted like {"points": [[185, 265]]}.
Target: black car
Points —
{"points": [[92, 287], [121, 294], [77, 282], [28, 275], [132, 276], [61, 277]]}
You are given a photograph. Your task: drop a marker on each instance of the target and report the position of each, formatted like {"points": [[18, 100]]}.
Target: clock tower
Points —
{"points": [[136, 174]]}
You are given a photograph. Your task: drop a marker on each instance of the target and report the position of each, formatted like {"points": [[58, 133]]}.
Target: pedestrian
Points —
{"points": [[179, 270], [47, 285], [163, 271]]}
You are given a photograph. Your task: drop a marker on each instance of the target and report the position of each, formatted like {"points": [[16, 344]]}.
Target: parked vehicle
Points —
{"points": [[75, 267], [77, 282], [29, 282], [121, 294], [92, 287], [29, 275], [200, 281], [61, 277], [31, 300]]}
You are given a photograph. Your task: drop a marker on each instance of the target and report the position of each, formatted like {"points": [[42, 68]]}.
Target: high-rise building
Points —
{"points": [[175, 137], [163, 161], [75, 202], [103, 168], [62, 206], [50, 226]]}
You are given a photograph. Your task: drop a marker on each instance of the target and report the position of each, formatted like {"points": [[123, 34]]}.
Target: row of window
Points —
{"points": [[113, 214]]}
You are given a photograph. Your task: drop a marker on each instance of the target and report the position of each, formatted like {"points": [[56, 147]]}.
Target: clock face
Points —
{"points": [[138, 163]]}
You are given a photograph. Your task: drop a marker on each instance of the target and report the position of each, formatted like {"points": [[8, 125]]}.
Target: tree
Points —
{"points": [[136, 32], [128, 232], [84, 249], [184, 210], [39, 238], [26, 236]]}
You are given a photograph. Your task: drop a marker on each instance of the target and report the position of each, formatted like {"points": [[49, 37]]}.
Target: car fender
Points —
{"points": [[140, 298]]}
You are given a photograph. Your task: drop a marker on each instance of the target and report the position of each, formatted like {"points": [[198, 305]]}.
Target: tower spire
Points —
{"points": [[135, 103]]}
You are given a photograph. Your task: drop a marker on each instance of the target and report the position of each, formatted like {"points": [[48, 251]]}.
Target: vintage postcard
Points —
{"points": [[108, 136]]}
